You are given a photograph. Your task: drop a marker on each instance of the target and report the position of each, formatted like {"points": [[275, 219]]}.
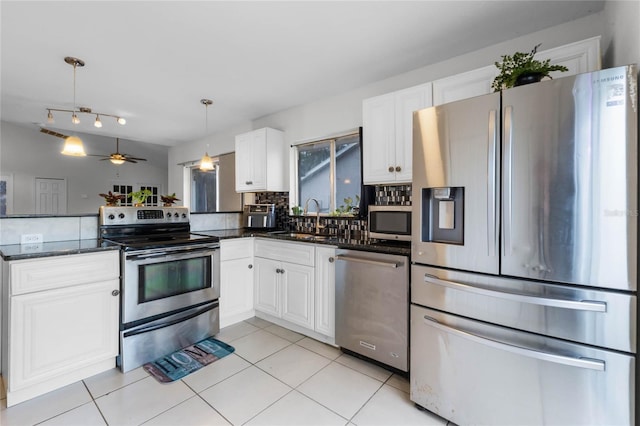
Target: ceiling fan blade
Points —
{"points": [[106, 157], [129, 160], [134, 158], [52, 133]]}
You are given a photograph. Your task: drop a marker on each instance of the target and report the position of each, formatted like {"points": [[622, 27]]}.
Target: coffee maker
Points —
{"points": [[259, 216]]}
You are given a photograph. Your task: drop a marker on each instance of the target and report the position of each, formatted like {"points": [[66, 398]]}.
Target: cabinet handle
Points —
{"points": [[115, 292], [278, 270], [250, 266], [331, 260], [249, 182], [398, 168], [390, 169]]}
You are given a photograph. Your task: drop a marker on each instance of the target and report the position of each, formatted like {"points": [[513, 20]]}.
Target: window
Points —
{"points": [[204, 190], [125, 189], [329, 171]]}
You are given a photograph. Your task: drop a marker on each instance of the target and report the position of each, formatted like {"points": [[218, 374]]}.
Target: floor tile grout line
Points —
{"points": [[365, 403], [95, 403]]}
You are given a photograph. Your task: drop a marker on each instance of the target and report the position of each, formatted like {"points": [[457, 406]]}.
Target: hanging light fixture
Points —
{"points": [[73, 146], [75, 119], [206, 164]]}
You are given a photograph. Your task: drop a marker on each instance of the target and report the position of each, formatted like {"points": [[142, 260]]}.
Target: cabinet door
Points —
{"points": [[407, 101], [325, 291], [378, 139], [236, 289], [58, 331], [297, 294], [463, 86], [251, 167], [266, 287], [582, 56]]}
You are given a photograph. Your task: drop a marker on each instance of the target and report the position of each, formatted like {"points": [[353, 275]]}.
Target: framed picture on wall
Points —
{"points": [[6, 195]]}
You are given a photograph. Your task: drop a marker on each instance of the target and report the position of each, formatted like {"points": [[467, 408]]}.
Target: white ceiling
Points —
{"points": [[152, 62]]}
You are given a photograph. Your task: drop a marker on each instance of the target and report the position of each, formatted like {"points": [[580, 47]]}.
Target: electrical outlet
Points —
{"points": [[30, 238]]}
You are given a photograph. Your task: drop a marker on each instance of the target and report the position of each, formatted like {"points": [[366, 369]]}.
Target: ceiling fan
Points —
{"points": [[115, 157], [118, 157]]}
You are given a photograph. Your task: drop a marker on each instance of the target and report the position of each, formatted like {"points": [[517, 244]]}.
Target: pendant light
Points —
{"points": [[73, 144], [206, 164]]}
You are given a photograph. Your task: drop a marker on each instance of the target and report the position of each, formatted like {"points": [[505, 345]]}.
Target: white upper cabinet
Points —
{"points": [[262, 162], [388, 134], [579, 57], [464, 86]]}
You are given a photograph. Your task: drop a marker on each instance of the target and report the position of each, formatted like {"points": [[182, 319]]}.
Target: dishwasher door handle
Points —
{"points": [[368, 261]]}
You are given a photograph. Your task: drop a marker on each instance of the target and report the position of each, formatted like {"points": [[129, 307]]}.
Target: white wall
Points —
{"points": [[25, 153], [622, 38]]}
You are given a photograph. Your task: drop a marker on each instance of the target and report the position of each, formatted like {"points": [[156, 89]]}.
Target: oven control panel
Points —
{"points": [[118, 215]]}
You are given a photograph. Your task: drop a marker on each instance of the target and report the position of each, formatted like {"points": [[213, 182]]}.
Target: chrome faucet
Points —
{"points": [[306, 210]]}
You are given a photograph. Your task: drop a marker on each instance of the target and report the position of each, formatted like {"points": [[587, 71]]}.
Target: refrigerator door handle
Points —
{"points": [[492, 185], [579, 305], [508, 184], [580, 362]]}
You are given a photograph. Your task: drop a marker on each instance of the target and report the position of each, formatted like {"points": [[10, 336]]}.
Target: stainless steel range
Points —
{"points": [[170, 281]]}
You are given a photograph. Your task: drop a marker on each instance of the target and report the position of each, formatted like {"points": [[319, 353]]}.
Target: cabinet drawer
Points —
{"points": [[236, 248], [28, 276], [302, 254]]}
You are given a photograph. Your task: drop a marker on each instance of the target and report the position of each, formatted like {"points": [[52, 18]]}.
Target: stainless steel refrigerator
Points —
{"points": [[524, 254]]}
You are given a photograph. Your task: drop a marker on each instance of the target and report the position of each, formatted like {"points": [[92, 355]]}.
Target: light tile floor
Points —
{"points": [[274, 377]]}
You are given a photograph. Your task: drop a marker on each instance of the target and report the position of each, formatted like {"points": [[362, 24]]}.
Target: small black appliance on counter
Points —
{"points": [[259, 216]]}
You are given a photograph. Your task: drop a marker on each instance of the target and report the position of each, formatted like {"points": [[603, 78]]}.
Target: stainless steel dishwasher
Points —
{"points": [[372, 306]]}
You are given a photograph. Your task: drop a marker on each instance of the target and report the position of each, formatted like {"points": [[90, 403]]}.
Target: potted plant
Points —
{"points": [[169, 200], [112, 198], [140, 197], [520, 68], [348, 208]]}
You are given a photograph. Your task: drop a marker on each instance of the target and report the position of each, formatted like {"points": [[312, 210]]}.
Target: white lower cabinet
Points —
{"points": [[236, 280], [295, 287], [61, 321], [325, 291], [267, 286], [297, 283], [285, 289]]}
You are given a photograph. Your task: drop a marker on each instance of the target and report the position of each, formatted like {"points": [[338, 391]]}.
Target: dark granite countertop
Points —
{"points": [[373, 245], [54, 248], [62, 248]]}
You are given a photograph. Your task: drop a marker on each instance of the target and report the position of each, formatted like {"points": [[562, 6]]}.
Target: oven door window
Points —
{"points": [[166, 279]]}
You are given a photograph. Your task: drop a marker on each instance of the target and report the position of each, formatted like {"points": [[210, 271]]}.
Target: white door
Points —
{"points": [[59, 331], [51, 196], [297, 294], [378, 145], [325, 287], [266, 286], [236, 292]]}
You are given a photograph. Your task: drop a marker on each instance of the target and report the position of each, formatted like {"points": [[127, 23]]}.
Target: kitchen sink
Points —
{"points": [[309, 237], [301, 236]]}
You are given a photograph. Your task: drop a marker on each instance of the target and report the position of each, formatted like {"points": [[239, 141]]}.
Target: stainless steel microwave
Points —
{"points": [[390, 222]]}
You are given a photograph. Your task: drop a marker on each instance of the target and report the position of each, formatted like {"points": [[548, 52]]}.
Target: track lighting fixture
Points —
{"points": [[83, 110], [75, 62], [206, 164]]}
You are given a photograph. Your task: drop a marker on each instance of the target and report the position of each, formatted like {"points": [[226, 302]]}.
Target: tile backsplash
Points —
{"points": [[393, 195], [352, 228]]}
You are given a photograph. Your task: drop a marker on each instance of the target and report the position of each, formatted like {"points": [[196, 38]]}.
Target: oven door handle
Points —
{"points": [[157, 326], [172, 253]]}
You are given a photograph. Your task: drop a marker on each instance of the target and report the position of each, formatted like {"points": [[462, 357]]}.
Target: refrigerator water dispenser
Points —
{"points": [[443, 215]]}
